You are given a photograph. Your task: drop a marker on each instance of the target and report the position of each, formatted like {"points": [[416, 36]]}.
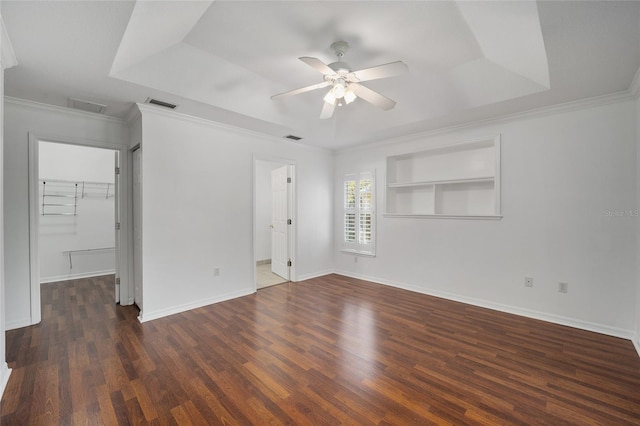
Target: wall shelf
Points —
{"points": [[439, 182], [444, 216], [53, 203], [460, 181]]}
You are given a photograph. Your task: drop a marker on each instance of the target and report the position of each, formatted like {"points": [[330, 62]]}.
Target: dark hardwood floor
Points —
{"points": [[331, 350]]}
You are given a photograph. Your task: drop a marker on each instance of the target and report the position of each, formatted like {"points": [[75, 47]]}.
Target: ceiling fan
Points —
{"points": [[345, 84]]}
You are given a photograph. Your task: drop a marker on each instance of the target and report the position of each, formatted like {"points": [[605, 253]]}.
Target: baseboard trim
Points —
{"points": [[529, 313], [161, 313], [58, 278], [314, 275], [5, 372], [636, 344]]}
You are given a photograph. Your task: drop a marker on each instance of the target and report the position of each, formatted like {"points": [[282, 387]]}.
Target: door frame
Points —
{"points": [[292, 209], [131, 153], [122, 259]]}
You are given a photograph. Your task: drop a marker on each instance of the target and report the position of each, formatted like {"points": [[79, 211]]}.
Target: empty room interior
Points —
{"points": [[320, 212]]}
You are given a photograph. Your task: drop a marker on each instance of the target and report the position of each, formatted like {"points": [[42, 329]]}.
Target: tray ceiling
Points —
{"points": [[223, 60]]}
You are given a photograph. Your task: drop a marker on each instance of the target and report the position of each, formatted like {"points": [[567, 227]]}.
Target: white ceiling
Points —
{"points": [[223, 60]]}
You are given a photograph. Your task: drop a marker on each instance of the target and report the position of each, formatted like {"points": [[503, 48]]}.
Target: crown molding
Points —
{"points": [[603, 100], [149, 109], [64, 110], [133, 114], [8, 56]]}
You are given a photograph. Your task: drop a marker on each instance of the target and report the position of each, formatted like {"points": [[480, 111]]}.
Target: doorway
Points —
{"points": [[76, 190], [274, 227], [75, 214]]}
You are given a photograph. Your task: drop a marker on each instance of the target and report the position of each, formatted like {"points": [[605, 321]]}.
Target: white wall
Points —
{"points": [[206, 172], [5, 46], [73, 162], [561, 174], [92, 227], [264, 202], [637, 116], [21, 118]]}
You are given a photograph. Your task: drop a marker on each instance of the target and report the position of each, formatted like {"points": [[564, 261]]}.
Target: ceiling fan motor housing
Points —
{"points": [[340, 48], [341, 68]]}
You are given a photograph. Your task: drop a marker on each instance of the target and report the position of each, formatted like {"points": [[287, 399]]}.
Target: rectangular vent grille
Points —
{"points": [[161, 103], [86, 106], [293, 138]]}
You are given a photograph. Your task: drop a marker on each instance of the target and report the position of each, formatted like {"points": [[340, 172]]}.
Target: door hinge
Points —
{"points": [[288, 221], [118, 281], [117, 226], [289, 262], [117, 170], [288, 180]]}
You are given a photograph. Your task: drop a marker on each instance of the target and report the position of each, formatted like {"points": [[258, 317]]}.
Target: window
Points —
{"points": [[359, 213]]}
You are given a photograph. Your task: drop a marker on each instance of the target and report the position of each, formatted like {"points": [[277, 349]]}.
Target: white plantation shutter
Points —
{"points": [[359, 213], [365, 209], [350, 227], [350, 196], [365, 228]]}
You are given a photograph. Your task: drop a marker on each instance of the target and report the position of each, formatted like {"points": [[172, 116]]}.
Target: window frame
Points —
{"points": [[356, 209]]}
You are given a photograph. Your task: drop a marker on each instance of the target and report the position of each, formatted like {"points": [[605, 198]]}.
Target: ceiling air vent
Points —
{"points": [[86, 106], [293, 137], [160, 103]]}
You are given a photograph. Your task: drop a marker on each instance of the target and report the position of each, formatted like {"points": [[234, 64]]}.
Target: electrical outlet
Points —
{"points": [[563, 287], [216, 272], [355, 259], [528, 282]]}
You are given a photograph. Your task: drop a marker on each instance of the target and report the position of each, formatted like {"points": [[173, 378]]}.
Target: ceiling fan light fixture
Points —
{"points": [[330, 97], [339, 88], [349, 96]]}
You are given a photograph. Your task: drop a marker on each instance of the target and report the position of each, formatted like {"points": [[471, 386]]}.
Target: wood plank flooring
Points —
{"points": [[331, 350]]}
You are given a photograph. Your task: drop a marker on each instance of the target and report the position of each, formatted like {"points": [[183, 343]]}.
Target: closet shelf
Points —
{"points": [[68, 209], [67, 188]]}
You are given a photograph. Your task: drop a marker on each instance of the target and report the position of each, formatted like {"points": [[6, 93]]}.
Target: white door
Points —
{"points": [[279, 226], [137, 229], [116, 194]]}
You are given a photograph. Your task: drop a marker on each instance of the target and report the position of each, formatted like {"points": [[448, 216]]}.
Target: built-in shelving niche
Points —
{"points": [[453, 181]]}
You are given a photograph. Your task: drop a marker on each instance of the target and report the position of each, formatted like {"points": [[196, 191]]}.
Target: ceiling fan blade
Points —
{"points": [[302, 90], [381, 71], [327, 110], [318, 65], [373, 97]]}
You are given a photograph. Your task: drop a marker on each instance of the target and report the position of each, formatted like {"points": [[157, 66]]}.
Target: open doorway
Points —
{"points": [[76, 189], [273, 222], [76, 219]]}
